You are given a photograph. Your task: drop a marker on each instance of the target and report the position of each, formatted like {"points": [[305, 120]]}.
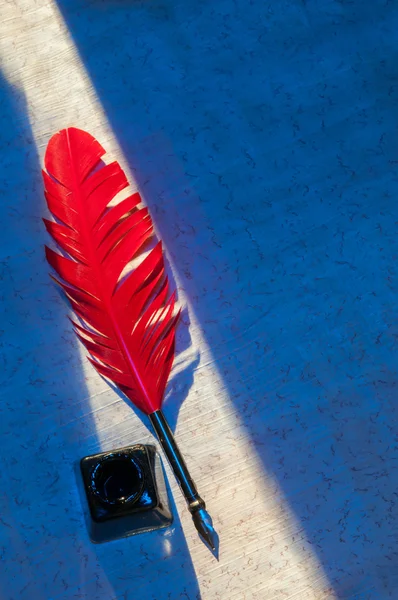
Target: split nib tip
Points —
{"points": [[204, 525]]}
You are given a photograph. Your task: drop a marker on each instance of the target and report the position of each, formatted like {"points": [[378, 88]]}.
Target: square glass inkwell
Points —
{"points": [[125, 492]]}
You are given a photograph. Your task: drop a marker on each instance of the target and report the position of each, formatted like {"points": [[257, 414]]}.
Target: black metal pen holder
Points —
{"points": [[125, 492]]}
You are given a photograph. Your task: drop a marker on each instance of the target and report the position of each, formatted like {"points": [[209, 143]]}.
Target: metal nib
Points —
{"points": [[204, 525], [196, 505]]}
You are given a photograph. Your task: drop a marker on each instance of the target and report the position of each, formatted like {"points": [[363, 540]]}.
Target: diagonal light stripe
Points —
{"points": [[262, 545]]}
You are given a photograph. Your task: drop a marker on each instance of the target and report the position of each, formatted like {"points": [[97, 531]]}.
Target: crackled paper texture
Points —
{"points": [[263, 138]]}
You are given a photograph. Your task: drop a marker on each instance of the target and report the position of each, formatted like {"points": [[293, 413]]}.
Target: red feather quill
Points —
{"points": [[128, 325]]}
